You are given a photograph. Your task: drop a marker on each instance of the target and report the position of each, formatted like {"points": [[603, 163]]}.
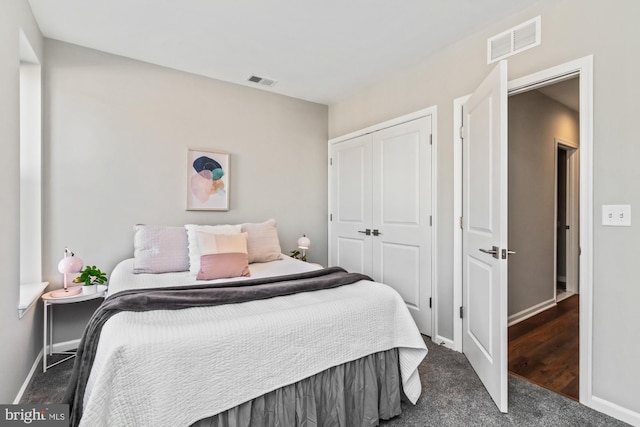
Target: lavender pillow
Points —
{"points": [[160, 249]]}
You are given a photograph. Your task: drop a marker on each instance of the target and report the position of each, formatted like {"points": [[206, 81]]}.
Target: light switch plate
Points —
{"points": [[616, 215]]}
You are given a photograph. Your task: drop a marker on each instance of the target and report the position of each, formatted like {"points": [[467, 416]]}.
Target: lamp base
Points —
{"points": [[65, 293]]}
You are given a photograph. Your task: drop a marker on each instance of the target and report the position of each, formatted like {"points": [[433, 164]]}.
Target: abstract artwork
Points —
{"points": [[207, 180]]}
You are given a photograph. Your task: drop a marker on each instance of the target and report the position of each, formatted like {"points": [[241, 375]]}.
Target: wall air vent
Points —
{"points": [[262, 80], [515, 40]]}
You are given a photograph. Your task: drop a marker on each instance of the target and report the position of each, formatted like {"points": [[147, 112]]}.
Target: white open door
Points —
{"points": [[484, 236]]}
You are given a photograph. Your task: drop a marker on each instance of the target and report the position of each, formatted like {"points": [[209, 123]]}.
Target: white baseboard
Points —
{"points": [[614, 410], [25, 384], [444, 342], [530, 312], [37, 364]]}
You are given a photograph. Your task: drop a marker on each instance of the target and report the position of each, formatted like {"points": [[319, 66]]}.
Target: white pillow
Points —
{"points": [[192, 237]]}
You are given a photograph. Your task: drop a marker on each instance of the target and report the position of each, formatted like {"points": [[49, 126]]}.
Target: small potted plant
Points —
{"points": [[91, 276], [296, 254]]}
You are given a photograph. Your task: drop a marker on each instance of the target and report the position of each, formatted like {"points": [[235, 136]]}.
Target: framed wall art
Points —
{"points": [[207, 180]]}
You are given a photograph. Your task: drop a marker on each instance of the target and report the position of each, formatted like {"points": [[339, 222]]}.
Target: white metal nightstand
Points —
{"points": [[48, 300]]}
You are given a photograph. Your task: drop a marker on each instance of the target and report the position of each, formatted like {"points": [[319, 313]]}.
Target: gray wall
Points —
{"points": [[21, 338], [534, 121], [570, 29], [116, 133]]}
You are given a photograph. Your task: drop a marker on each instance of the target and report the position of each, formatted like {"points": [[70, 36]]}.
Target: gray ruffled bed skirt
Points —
{"points": [[358, 393]]}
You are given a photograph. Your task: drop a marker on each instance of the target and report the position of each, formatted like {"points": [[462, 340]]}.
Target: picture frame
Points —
{"points": [[207, 180]]}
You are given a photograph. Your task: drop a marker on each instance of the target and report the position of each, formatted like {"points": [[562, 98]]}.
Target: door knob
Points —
{"points": [[493, 251], [376, 232], [366, 231]]}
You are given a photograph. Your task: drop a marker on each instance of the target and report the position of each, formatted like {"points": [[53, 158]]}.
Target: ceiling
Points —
{"points": [[318, 50], [566, 92]]}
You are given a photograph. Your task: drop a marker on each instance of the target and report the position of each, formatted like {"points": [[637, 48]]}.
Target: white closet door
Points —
{"points": [[401, 178], [350, 180]]}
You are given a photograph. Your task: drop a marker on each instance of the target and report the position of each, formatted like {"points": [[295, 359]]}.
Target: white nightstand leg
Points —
{"points": [[51, 331], [44, 345]]}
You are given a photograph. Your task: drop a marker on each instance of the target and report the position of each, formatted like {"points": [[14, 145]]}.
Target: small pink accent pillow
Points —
{"points": [[222, 256]]}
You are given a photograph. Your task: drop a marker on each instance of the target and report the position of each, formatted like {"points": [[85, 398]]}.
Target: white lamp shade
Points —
{"points": [[304, 242], [70, 264]]}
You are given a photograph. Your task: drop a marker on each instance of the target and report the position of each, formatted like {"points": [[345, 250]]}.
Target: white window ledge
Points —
{"points": [[29, 294]]}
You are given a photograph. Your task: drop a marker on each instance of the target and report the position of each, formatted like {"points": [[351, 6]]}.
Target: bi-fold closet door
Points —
{"points": [[380, 210]]}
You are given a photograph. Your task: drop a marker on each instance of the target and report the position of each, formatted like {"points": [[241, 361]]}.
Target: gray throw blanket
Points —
{"points": [[181, 297]]}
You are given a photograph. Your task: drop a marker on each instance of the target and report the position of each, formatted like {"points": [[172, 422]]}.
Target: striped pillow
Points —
{"points": [[194, 250], [222, 256]]}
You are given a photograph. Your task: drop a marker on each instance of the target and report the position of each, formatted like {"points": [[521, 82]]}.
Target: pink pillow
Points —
{"points": [[220, 266], [222, 256]]}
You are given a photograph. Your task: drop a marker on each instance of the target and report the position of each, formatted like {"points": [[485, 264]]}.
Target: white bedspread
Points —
{"points": [[172, 368]]}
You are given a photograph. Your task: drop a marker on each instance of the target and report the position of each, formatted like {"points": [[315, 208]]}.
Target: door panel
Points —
{"points": [[480, 320], [401, 213], [350, 254], [480, 185], [400, 177], [401, 267], [352, 175], [484, 275]]}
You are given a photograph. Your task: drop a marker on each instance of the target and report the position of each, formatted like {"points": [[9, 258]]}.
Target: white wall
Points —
{"points": [[534, 121], [571, 29], [116, 134], [20, 338]]}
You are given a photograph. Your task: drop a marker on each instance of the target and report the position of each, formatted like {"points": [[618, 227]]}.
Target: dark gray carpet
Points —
{"points": [[452, 395]]}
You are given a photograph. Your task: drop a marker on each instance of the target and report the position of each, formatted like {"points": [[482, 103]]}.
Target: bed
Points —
{"points": [[325, 356]]}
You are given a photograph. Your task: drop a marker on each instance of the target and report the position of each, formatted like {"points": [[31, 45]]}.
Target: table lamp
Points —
{"points": [[69, 264], [304, 243]]}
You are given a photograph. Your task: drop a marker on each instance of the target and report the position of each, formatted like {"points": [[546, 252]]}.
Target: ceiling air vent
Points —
{"points": [[515, 40], [262, 80]]}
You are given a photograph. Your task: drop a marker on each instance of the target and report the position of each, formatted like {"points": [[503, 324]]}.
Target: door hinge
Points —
{"points": [[330, 217], [330, 161], [430, 220], [431, 139], [461, 223], [461, 312], [461, 132], [430, 302]]}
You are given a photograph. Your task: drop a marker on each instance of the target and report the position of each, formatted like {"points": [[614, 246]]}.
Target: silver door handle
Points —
{"points": [[493, 251], [506, 253], [366, 231]]}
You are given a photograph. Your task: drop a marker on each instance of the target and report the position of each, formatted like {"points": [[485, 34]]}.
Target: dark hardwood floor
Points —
{"points": [[544, 349]]}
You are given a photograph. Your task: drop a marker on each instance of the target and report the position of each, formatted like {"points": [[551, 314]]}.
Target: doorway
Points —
{"points": [[583, 69], [544, 133], [568, 218]]}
